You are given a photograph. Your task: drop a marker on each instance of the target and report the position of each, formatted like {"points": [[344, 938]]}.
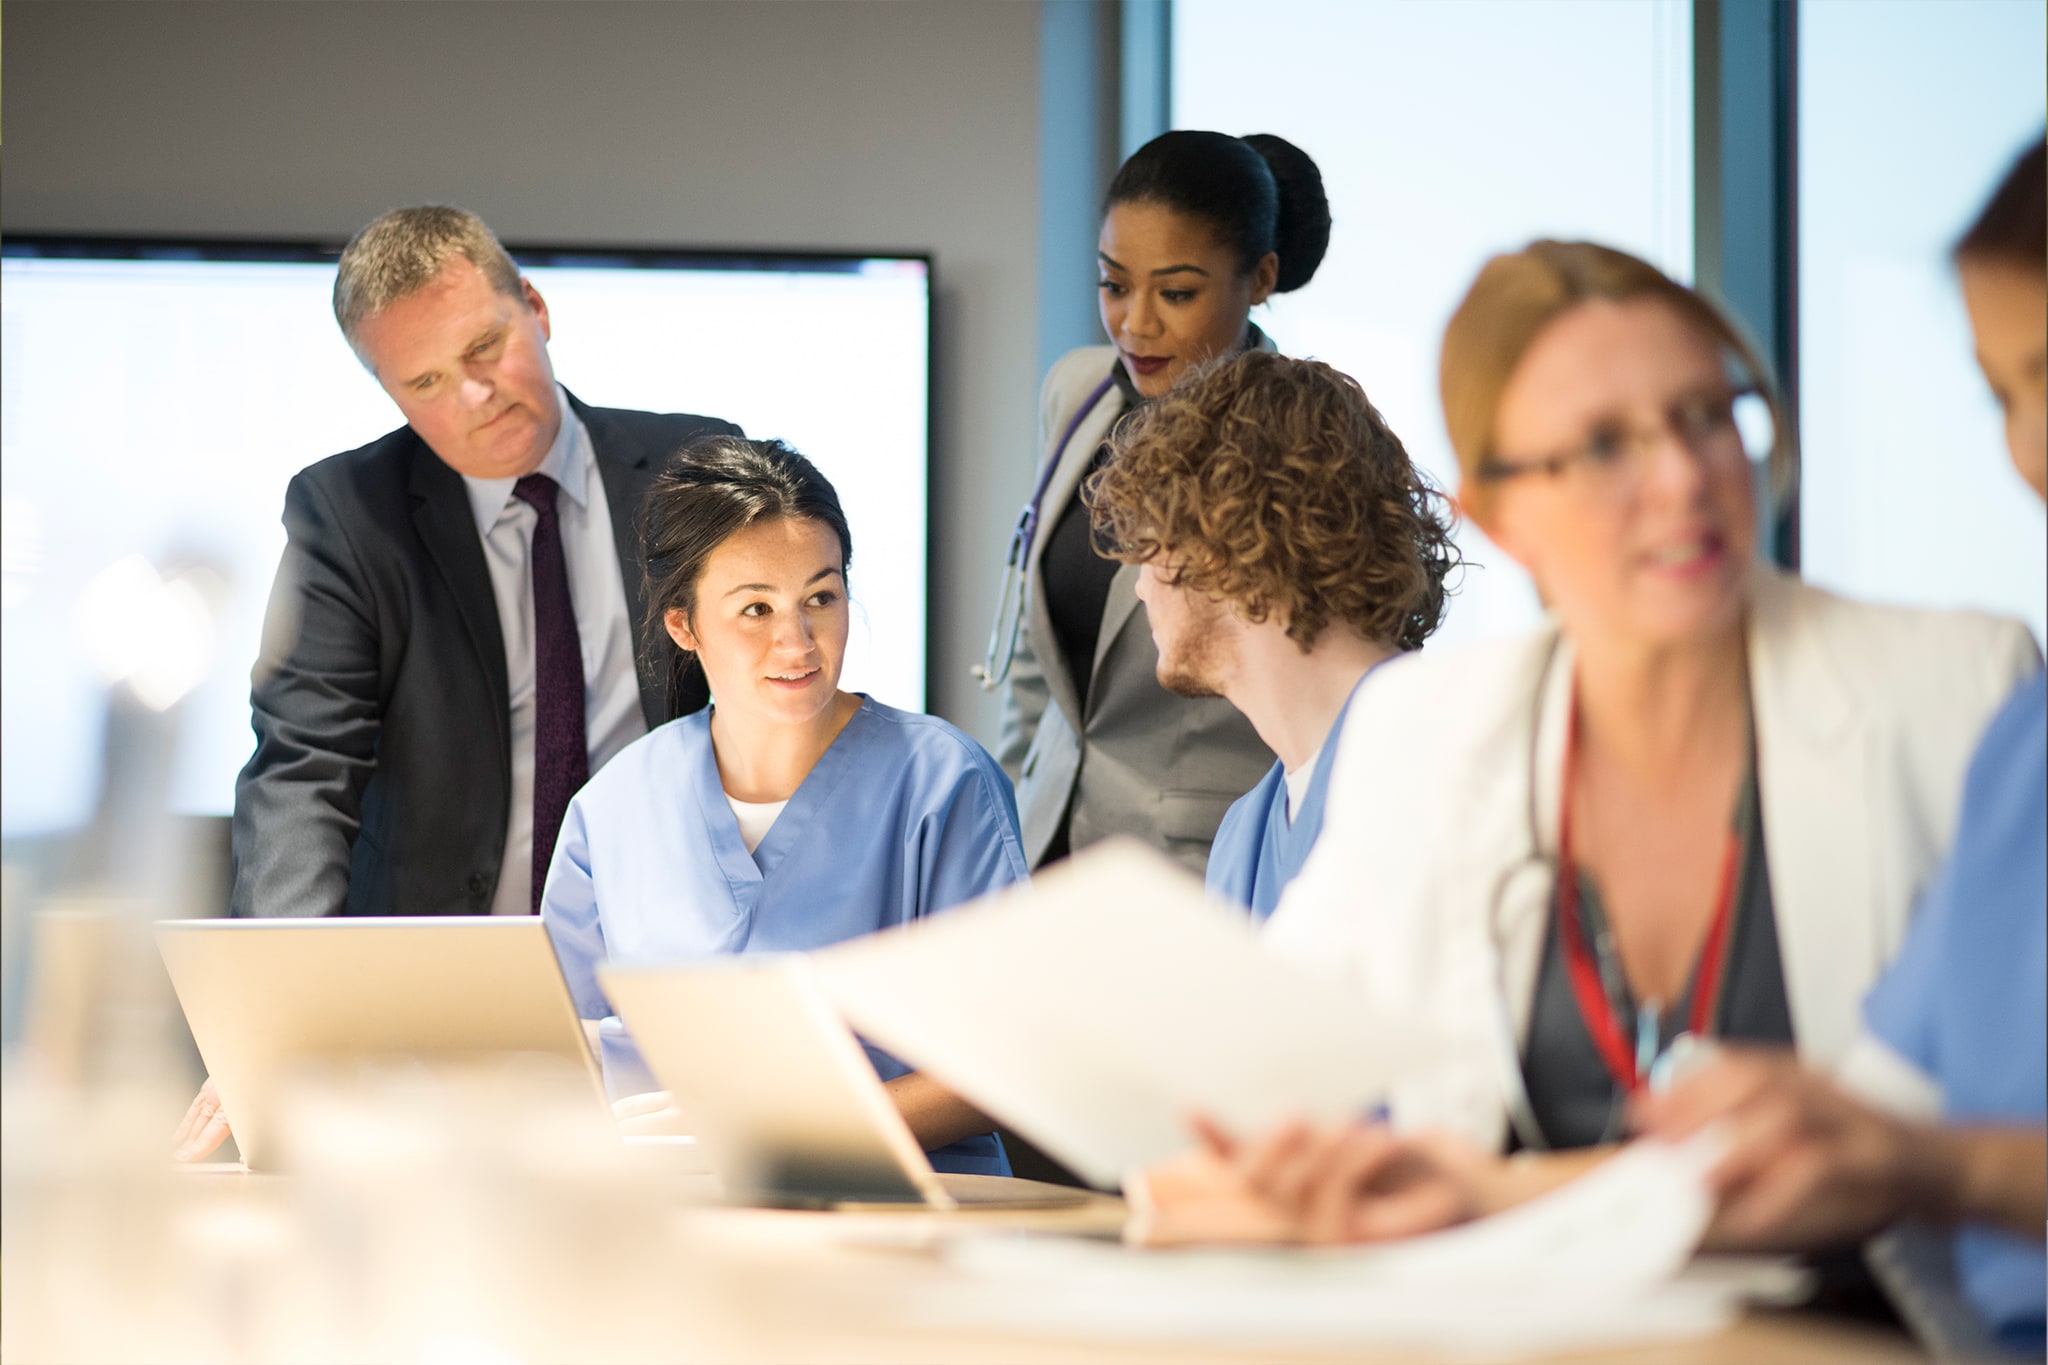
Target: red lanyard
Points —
{"points": [[1609, 1034]]}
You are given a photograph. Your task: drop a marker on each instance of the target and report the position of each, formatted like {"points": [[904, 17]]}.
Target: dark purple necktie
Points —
{"points": [[561, 755]]}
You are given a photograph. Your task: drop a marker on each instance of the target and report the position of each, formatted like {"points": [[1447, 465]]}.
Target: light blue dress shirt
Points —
{"points": [[612, 717], [1258, 847], [1966, 1000], [902, 817]]}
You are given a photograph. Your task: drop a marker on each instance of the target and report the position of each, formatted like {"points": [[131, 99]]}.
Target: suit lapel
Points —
{"points": [[441, 514], [1117, 612], [627, 468], [1818, 782]]}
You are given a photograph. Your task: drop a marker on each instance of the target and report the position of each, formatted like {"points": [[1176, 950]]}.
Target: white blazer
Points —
{"points": [[1431, 884]]}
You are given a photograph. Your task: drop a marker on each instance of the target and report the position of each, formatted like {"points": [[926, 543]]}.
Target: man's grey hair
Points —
{"points": [[399, 253]]}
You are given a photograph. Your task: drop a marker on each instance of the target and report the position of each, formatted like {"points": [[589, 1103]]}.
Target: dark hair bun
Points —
{"points": [[1302, 232], [1259, 193]]}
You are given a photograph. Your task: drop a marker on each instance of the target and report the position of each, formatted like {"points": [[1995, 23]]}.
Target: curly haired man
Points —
{"points": [[1288, 546]]}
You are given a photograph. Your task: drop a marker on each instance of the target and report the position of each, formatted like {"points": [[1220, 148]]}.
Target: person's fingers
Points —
{"points": [[1195, 1176], [203, 1114], [212, 1131], [1261, 1160], [208, 1138], [1456, 1155], [196, 1115], [1218, 1143], [1765, 1205], [1424, 1205], [1720, 1087], [1289, 1180], [1230, 1220], [1758, 1136], [1347, 1179]]}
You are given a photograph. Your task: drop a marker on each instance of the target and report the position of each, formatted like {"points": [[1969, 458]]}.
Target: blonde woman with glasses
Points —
{"points": [[1698, 803]]}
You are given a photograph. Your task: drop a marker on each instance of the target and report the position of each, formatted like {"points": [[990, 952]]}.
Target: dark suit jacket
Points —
{"points": [[382, 774]]}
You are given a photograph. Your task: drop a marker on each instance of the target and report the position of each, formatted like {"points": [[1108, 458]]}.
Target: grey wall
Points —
{"points": [[850, 123]]}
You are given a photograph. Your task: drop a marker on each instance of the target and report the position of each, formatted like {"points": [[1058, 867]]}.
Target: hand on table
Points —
{"points": [[1303, 1183], [1806, 1165], [203, 1129]]}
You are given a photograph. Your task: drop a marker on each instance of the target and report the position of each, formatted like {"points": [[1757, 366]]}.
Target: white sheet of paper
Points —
{"points": [[1096, 1008], [1597, 1262]]}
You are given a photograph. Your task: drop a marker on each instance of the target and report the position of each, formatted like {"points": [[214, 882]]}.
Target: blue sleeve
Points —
{"points": [[1234, 854], [967, 844], [1962, 980], [1902, 1008], [568, 907]]}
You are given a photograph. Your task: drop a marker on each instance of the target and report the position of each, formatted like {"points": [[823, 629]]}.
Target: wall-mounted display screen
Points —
{"points": [[159, 395]]}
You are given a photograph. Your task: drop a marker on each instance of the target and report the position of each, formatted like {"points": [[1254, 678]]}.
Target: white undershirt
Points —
{"points": [[612, 717], [756, 818], [1298, 780]]}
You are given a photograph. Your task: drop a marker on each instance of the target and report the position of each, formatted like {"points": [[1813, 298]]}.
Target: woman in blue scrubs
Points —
{"points": [[790, 815]]}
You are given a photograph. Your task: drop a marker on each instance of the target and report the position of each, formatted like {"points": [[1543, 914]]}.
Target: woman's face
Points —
{"points": [[2008, 306], [1641, 536], [771, 621], [1172, 295]]}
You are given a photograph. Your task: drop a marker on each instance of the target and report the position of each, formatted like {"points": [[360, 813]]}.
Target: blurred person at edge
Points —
{"points": [[1748, 784], [450, 645], [1198, 228], [790, 815], [1961, 1018], [1286, 546]]}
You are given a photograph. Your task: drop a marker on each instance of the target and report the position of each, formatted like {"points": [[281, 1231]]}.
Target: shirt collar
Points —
{"points": [[567, 462]]}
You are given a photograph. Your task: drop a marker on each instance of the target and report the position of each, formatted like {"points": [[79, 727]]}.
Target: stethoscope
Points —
{"points": [[1543, 862], [1661, 1065], [1009, 619]]}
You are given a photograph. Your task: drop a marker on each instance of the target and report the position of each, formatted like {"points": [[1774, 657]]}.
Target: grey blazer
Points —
{"points": [[1136, 760]]}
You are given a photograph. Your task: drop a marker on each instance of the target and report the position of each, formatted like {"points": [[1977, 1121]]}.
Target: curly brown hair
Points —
{"points": [[1274, 484]]}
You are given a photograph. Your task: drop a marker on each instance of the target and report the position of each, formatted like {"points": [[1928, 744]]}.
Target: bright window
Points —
{"points": [[1447, 133], [1909, 113]]}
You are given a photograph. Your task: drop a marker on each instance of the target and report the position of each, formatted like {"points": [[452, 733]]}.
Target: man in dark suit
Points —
{"points": [[452, 644]]}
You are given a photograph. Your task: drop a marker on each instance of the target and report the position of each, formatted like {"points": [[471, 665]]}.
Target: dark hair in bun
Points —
{"points": [[1259, 192]]}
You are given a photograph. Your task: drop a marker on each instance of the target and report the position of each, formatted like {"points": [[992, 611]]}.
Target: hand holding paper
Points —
{"points": [[1101, 1006]]}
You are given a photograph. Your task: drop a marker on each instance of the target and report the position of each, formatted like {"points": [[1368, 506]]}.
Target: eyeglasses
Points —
{"points": [[1712, 425]]}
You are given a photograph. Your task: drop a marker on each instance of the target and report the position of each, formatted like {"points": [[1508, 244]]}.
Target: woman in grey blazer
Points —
{"points": [[1197, 228]]}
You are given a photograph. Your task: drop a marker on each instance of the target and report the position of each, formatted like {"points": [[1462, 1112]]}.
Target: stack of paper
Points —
{"points": [[1096, 1008], [1596, 1263]]}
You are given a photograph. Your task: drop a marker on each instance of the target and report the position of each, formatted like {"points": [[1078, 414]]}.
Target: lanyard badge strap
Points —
{"points": [[1597, 1006]]}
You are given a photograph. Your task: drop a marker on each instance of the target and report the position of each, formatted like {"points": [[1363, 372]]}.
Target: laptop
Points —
{"points": [[263, 996], [789, 1109]]}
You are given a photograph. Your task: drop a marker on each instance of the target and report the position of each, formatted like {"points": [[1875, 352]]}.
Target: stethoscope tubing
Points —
{"points": [[1010, 597], [1521, 1111]]}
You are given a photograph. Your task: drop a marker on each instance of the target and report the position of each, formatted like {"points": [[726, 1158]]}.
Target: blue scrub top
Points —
{"points": [[1966, 1000], [902, 817], [1258, 850]]}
